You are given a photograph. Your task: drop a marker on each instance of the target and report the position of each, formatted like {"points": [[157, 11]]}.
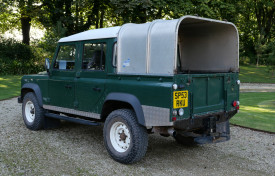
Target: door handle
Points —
{"points": [[68, 86], [97, 89]]}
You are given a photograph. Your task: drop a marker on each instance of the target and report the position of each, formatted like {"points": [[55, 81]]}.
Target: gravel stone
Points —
{"points": [[79, 150]]}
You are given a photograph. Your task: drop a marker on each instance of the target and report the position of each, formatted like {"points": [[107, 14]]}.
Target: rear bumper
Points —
{"points": [[221, 134], [208, 128], [202, 122]]}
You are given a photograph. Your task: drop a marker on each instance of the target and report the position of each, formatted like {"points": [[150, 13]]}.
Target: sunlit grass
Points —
{"points": [[4, 86], [9, 86], [257, 110], [253, 74]]}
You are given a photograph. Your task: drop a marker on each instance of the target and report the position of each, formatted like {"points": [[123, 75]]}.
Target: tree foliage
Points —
{"points": [[8, 19], [255, 19]]}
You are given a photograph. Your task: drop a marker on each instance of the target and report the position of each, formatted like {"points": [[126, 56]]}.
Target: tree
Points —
{"points": [[265, 15], [18, 14], [131, 11], [256, 23], [271, 57], [8, 19], [75, 16], [25, 9]]}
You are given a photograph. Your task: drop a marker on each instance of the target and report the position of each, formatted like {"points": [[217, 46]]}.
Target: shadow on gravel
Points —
{"points": [[160, 148]]}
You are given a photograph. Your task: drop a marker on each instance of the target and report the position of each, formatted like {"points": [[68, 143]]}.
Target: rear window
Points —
{"points": [[94, 56]]}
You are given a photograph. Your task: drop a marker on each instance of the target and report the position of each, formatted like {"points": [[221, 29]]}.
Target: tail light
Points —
{"points": [[236, 104]]}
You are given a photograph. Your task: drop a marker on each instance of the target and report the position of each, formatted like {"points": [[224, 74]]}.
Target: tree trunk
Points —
{"points": [[26, 26], [101, 19], [96, 13], [96, 22], [159, 14], [257, 62]]}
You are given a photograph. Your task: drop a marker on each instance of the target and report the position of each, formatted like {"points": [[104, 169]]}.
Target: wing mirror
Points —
{"points": [[47, 64]]}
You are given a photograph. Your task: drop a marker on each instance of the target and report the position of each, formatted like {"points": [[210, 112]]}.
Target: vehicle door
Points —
{"points": [[61, 82], [90, 81]]}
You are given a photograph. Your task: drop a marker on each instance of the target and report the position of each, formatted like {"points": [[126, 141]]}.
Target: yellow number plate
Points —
{"points": [[180, 99]]}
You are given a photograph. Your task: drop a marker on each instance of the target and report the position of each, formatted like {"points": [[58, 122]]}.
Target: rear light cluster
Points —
{"points": [[179, 112], [236, 104]]}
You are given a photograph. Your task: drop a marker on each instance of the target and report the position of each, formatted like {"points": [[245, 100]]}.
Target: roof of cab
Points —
{"points": [[110, 32]]}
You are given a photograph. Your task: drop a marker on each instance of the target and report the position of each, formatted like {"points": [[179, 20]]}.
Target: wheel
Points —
{"points": [[183, 140], [125, 140], [33, 114]]}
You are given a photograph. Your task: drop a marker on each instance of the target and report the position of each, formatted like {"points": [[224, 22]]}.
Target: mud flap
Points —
{"points": [[221, 134], [50, 123]]}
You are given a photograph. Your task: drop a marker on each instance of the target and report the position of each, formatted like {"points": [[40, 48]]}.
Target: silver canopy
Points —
{"points": [[203, 45]]}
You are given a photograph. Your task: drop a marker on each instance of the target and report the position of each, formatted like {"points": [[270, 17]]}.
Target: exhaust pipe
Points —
{"points": [[164, 131], [171, 132]]}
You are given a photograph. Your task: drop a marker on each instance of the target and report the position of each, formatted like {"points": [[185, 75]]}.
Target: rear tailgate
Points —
{"points": [[208, 93], [214, 92]]}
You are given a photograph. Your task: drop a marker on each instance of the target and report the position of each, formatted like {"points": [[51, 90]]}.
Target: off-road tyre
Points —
{"points": [[183, 140], [138, 136], [33, 114]]}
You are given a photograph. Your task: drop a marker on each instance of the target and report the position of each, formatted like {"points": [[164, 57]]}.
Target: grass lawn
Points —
{"points": [[257, 110], [252, 74], [9, 86]]}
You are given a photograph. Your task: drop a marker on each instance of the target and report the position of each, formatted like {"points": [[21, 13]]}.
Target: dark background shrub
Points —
{"points": [[17, 58]]}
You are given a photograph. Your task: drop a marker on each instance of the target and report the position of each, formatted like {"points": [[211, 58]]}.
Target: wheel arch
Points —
{"points": [[31, 87], [115, 101]]}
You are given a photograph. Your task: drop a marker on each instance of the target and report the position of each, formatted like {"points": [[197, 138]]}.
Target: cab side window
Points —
{"points": [[94, 56], [65, 59]]}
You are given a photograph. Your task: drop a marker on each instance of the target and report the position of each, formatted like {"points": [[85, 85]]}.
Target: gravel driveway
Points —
{"points": [[78, 150], [257, 87]]}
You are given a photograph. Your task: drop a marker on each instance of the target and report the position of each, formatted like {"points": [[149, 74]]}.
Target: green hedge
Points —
{"points": [[17, 58]]}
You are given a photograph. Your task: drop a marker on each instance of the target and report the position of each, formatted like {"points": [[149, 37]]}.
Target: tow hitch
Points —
{"points": [[216, 132], [213, 132]]}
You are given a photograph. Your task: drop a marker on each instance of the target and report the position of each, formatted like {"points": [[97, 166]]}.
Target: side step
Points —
{"points": [[71, 119]]}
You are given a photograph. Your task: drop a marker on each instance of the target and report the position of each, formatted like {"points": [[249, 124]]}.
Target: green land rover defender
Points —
{"points": [[177, 78]]}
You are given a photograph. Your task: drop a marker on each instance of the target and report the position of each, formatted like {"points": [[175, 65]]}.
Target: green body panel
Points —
{"points": [[62, 88], [42, 80], [86, 90], [150, 90]]}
